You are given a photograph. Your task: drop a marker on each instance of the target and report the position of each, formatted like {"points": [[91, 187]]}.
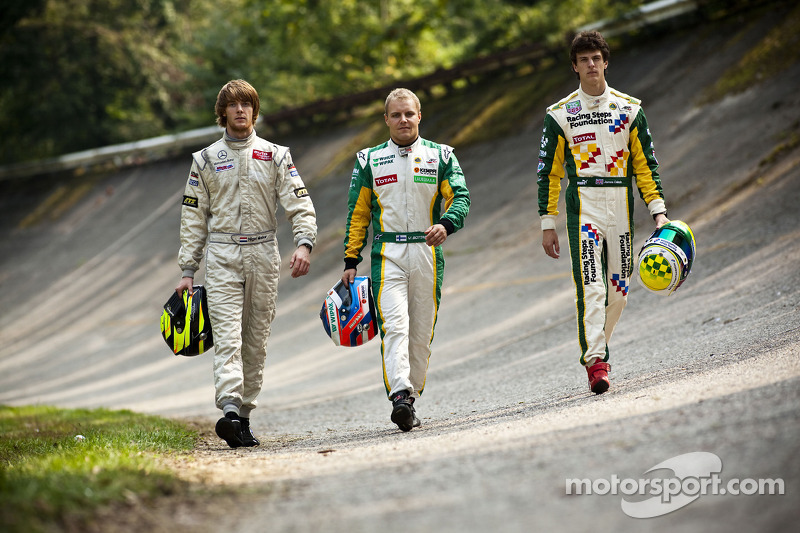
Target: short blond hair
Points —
{"points": [[401, 94]]}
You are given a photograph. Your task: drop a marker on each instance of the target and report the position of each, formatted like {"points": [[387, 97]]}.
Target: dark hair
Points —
{"points": [[587, 41], [235, 91]]}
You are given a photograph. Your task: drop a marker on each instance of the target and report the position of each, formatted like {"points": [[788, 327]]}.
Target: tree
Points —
{"points": [[77, 74]]}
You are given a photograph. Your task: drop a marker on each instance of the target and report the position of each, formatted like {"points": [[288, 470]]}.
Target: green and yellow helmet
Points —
{"points": [[184, 323], [666, 258]]}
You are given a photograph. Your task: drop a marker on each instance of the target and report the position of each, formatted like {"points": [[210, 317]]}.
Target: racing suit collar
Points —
{"points": [[239, 144], [593, 102], [404, 150]]}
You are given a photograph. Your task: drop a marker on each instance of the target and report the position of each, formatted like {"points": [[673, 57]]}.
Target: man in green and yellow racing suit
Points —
{"points": [[598, 138], [412, 191]]}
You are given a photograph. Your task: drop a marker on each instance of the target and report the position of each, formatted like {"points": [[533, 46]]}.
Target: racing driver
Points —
{"points": [[599, 140], [413, 192], [230, 202]]}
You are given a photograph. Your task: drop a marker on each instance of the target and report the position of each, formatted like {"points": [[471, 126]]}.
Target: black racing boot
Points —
{"points": [[229, 429], [403, 413], [248, 439]]}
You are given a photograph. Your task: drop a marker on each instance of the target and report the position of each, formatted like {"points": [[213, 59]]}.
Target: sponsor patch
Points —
{"points": [[626, 255], [584, 137], [573, 107], [293, 171], [384, 180], [301, 192], [418, 160], [262, 155], [588, 244], [425, 179], [333, 317], [223, 167], [595, 118], [446, 151], [251, 239], [189, 201], [379, 161], [193, 182], [193, 174]]}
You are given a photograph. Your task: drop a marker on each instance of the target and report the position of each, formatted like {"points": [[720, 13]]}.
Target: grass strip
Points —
{"points": [[58, 466]]}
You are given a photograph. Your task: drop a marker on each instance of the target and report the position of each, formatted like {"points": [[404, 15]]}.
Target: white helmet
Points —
{"points": [[666, 258]]}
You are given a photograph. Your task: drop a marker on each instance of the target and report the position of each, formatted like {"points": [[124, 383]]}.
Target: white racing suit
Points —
{"points": [[229, 208], [603, 146], [401, 191]]}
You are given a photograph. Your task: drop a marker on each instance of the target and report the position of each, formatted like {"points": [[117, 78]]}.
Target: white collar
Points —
{"points": [[593, 101]]}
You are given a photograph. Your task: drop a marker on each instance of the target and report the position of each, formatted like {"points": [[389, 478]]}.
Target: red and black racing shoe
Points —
{"points": [[598, 377]]}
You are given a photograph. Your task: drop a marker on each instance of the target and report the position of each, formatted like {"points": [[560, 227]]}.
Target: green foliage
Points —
{"points": [[77, 74], [299, 51], [48, 476]]}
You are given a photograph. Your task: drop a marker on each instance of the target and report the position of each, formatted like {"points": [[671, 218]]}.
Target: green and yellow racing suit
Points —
{"points": [[402, 191], [602, 145]]}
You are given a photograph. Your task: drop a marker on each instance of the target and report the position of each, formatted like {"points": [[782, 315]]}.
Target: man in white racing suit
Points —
{"points": [[229, 209], [412, 191], [599, 140]]}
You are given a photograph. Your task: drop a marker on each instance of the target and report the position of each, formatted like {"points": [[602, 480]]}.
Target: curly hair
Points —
{"points": [[236, 91]]}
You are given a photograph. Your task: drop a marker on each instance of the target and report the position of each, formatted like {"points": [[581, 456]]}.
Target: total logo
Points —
{"points": [[384, 180]]}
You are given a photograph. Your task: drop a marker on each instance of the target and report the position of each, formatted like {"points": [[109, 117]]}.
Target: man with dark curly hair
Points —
{"points": [[598, 138]]}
